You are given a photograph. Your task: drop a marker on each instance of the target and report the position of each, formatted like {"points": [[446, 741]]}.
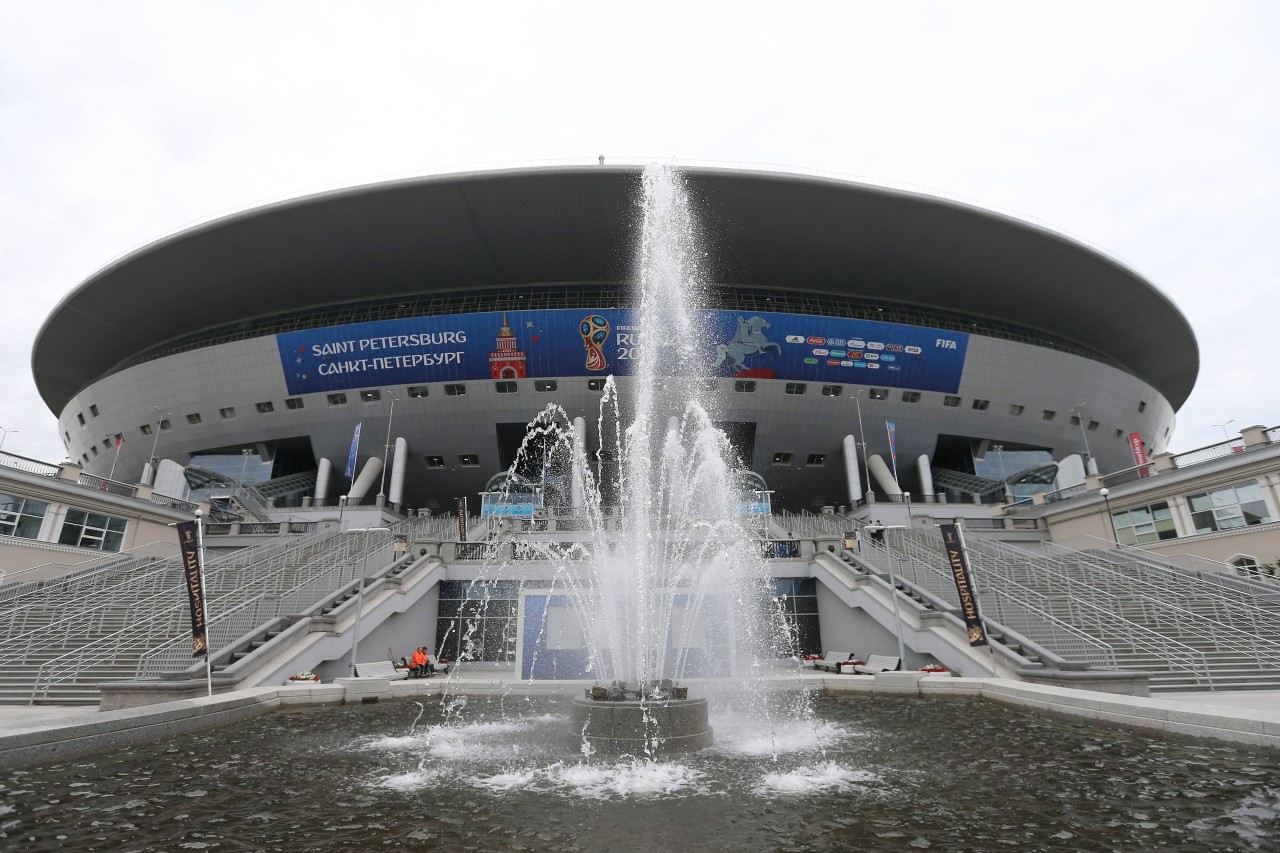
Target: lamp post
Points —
{"points": [[364, 565], [893, 593], [6, 435], [342, 507], [1004, 480], [1225, 435], [1104, 491], [386, 452], [862, 439]]}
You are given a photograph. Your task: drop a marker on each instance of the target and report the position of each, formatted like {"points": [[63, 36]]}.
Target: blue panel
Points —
{"points": [[569, 342]]}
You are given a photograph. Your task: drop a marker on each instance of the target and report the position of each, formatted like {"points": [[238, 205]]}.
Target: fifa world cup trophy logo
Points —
{"points": [[595, 331]]}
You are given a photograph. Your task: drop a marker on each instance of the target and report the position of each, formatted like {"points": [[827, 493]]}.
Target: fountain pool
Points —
{"points": [[859, 773]]}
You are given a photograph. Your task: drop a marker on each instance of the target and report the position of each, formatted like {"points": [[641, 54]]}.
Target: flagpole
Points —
{"points": [[893, 451], [204, 605]]}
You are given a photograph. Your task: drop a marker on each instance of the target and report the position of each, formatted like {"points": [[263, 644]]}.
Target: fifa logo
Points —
{"points": [[595, 331]]}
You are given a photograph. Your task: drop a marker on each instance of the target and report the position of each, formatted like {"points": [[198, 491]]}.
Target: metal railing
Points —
{"points": [[31, 466], [1210, 452], [102, 484]]}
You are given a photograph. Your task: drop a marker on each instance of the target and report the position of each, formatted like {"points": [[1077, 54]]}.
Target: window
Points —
{"points": [[80, 418], [1075, 420], [1093, 425], [832, 390], [266, 408], [94, 450], [469, 460], [93, 410], [981, 405], [371, 396], [816, 459], [194, 418], [795, 388], [145, 429], [1144, 524], [1228, 508], [595, 384], [294, 403], [455, 390], [544, 385], [228, 412], [1119, 433], [782, 459], [21, 517], [878, 393], [1048, 415], [83, 529], [165, 425], [950, 401], [506, 386], [106, 443], [1245, 565], [337, 399], [1142, 406], [417, 392], [744, 386], [1015, 409], [911, 396], [435, 461]]}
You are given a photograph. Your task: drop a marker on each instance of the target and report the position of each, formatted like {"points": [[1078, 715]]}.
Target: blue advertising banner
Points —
{"points": [[572, 342]]}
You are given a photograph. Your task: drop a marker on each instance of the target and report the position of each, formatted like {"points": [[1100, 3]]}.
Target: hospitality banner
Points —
{"points": [[462, 519], [189, 543], [960, 573]]}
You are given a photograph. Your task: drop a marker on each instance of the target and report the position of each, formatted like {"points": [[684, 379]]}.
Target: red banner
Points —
{"points": [[1139, 453]]}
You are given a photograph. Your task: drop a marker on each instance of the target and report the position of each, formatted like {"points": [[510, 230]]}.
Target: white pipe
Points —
{"points": [[367, 478], [851, 474], [884, 477], [926, 475], [323, 472], [397, 471], [579, 486]]}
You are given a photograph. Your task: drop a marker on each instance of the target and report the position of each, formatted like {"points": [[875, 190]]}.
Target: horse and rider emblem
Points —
{"points": [[748, 340]]}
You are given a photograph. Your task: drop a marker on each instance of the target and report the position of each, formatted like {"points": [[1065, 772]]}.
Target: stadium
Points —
{"points": [[449, 310]]}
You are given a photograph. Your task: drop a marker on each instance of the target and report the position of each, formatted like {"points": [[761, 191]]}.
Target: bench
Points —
{"points": [[831, 661], [877, 663], [381, 669]]}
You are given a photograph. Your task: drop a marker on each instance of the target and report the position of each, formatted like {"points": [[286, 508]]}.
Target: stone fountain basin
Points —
{"points": [[648, 727]]}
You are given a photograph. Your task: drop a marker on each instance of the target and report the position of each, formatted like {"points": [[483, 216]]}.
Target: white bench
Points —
{"points": [[381, 669], [831, 661], [878, 663]]}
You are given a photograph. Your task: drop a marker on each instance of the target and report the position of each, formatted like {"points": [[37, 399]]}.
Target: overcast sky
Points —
{"points": [[1149, 130]]}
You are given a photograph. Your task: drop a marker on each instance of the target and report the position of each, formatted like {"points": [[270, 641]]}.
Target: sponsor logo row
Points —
{"points": [[866, 356], [851, 343], [848, 362]]}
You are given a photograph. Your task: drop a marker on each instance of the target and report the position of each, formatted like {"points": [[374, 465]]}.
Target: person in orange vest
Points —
{"points": [[418, 663]]}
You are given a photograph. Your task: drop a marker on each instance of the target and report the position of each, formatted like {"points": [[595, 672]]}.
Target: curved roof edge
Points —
{"points": [[799, 231]]}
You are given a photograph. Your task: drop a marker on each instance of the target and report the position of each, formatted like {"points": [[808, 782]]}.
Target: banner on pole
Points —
{"points": [[351, 456], [1139, 454], [959, 564], [189, 544], [891, 428], [462, 519]]}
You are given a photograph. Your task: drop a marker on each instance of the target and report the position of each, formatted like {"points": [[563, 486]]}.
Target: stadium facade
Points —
{"points": [[448, 311]]}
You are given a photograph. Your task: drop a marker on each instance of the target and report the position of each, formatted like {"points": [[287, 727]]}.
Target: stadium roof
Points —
{"points": [[575, 224]]}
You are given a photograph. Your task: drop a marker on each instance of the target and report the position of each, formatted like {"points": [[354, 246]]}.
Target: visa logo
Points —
{"points": [[943, 343], [913, 350], [795, 339]]}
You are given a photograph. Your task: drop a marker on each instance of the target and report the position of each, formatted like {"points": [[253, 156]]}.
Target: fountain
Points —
{"points": [[666, 581]]}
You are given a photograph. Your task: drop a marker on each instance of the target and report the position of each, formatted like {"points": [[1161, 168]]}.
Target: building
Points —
{"points": [[447, 311]]}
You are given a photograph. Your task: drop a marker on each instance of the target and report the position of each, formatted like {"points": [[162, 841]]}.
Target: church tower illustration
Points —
{"points": [[507, 361]]}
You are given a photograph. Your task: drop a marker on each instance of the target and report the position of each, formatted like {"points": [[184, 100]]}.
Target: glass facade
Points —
{"points": [[1227, 508], [92, 530], [1145, 524], [21, 517]]}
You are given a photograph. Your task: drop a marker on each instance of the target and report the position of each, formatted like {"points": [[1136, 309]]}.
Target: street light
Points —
{"points": [[6, 435], [155, 441], [364, 566], [1225, 435], [1004, 479], [386, 452], [1104, 491]]}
